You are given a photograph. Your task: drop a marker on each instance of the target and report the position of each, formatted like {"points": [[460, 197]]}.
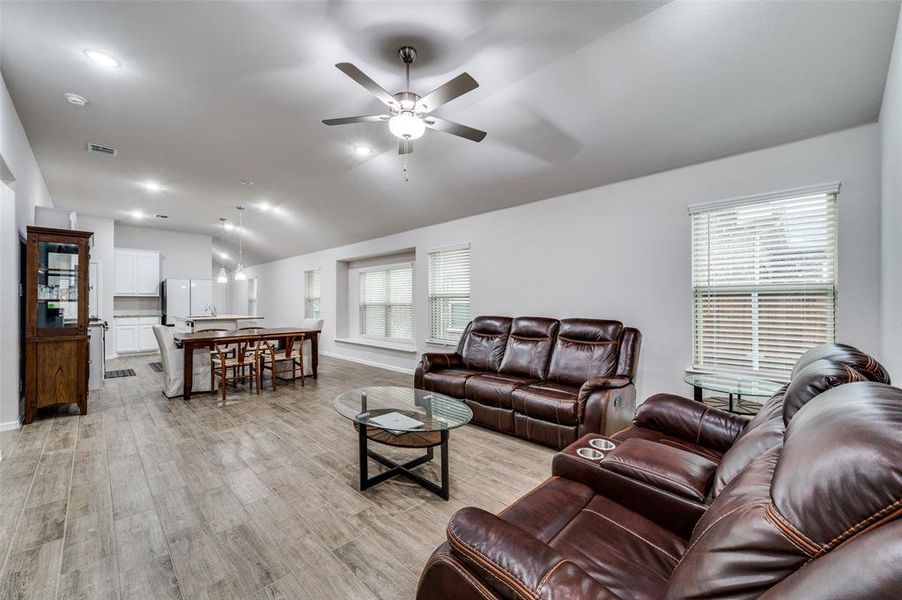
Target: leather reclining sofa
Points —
{"points": [[540, 379], [804, 501]]}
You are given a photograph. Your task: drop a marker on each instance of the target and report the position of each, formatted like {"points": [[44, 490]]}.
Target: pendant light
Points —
{"points": [[223, 277], [240, 275]]}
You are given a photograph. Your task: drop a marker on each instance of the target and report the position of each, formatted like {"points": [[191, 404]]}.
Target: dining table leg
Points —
{"points": [[314, 353], [188, 372]]}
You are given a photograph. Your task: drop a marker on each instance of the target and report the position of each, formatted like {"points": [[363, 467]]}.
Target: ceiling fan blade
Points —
{"points": [[447, 92], [364, 80], [463, 131], [363, 119], [405, 146]]}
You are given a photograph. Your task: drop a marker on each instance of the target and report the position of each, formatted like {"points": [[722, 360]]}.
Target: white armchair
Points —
{"points": [[173, 365], [283, 369]]}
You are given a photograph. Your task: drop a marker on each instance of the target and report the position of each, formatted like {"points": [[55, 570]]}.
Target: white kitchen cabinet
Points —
{"points": [[135, 334], [146, 339], [137, 272], [126, 335]]}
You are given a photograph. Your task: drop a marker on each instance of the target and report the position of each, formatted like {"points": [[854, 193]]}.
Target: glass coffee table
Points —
{"points": [[735, 386], [402, 418]]}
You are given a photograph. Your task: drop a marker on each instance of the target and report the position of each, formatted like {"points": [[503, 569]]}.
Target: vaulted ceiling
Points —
{"points": [[573, 95]]}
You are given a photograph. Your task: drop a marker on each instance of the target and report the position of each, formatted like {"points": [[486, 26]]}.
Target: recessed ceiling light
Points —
{"points": [[223, 256], [75, 99], [103, 59], [228, 227], [362, 150], [264, 206], [246, 182], [152, 186], [137, 214]]}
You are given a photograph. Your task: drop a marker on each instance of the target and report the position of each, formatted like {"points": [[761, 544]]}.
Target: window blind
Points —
{"points": [[386, 303], [311, 294], [764, 283], [449, 293]]}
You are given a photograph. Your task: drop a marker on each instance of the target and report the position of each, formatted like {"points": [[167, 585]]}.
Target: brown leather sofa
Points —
{"points": [[541, 379], [814, 515], [683, 453]]}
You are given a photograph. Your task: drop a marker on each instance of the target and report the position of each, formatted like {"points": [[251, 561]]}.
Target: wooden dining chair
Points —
{"points": [[245, 364], [296, 360]]}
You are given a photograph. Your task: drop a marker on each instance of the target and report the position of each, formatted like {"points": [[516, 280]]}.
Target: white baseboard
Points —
{"points": [[369, 363], [9, 425]]}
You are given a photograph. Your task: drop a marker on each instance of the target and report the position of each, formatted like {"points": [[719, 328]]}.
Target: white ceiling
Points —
{"points": [[573, 95]]}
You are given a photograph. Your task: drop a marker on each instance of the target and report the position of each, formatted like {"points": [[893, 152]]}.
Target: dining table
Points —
{"points": [[190, 342]]}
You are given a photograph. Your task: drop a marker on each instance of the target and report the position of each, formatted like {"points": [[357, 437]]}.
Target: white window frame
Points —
{"points": [[703, 293], [433, 297], [308, 298], [387, 305]]}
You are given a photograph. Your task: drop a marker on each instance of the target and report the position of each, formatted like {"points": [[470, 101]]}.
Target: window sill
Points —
{"points": [[387, 344], [442, 343]]}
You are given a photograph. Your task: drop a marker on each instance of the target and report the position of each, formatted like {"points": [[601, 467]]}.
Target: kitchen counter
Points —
{"points": [[202, 322], [137, 313], [222, 317]]}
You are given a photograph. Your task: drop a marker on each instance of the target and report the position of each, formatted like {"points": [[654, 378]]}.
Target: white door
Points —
{"points": [[126, 273], [126, 338], [148, 270]]}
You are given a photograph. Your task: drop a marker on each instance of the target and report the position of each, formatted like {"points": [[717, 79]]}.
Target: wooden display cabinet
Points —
{"points": [[56, 319]]}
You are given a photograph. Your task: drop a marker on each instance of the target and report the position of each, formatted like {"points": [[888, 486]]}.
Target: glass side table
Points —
{"points": [[735, 386]]}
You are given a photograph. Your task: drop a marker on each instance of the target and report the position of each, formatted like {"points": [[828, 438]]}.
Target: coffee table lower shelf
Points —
{"points": [[407, 440]]}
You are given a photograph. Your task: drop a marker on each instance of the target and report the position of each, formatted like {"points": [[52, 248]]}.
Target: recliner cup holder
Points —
{"points": [[590, 453]]}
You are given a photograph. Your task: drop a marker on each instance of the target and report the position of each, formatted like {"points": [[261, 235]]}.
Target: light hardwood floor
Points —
{"points": [[146, 497]]}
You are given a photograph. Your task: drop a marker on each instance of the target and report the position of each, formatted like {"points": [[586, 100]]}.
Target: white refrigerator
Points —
{"points": [[184, 297]]}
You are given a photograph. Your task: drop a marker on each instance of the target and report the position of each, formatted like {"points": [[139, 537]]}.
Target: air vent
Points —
{"points": [[101, 149], [162, 216]]}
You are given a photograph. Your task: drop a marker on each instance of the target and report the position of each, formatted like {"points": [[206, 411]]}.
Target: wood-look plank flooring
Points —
{"points": [[146, 497]]}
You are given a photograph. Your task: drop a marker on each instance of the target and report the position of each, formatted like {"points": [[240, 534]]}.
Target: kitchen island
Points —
{"points": [[191, 323]]}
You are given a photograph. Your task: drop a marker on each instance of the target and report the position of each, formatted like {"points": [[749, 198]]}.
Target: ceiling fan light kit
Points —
{"points": [[408, 111]]}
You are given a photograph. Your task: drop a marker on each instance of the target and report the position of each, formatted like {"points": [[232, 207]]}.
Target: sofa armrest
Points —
{"points": [[674, 470], [603, 383], [436, 361], [691, 421], [509, 560]]}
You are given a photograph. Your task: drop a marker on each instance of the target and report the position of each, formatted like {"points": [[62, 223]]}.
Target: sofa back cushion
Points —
{"points": [[482, 344], [585, 349], [834, 482], [529, 347], [816, 378], [862, 362]]}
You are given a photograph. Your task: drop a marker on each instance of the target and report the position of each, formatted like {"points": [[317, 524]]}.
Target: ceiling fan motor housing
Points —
{"points": [[408, 54]]}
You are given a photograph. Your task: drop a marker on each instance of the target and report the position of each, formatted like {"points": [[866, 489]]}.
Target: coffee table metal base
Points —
{"points": [[402, 469]]}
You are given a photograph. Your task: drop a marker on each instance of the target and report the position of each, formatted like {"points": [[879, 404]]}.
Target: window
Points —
{"points": [[252, 296], [449, 293], [386, 303], [763, 280], [311, 294]]}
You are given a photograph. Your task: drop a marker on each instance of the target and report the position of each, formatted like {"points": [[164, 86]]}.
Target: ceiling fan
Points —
{"points": [[410, 114]]}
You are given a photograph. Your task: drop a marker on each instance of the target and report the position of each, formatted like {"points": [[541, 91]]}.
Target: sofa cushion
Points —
{"points": [[677, 471], [492, 389], [654, 435], [529, 347], [450, 382], [622, 550], [482, 345], [584, 349], [816, 378], [625, 552], [551, 402], [845, 354]]}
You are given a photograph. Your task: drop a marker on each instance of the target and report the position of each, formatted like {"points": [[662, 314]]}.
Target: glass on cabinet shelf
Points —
{"points": [[57, 285]]}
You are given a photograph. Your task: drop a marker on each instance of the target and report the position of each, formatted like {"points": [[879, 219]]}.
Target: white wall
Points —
{"points": [[102, 251], [184, 255], [619, 251], [24, 188], [891, 204]]}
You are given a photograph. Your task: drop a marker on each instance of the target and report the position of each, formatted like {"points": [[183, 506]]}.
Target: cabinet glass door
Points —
{"points": [[57, 285]]}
